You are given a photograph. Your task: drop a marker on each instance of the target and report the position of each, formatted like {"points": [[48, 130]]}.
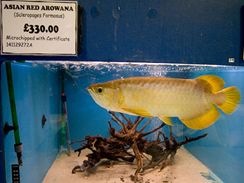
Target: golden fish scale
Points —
{"points": [[184, 98]]}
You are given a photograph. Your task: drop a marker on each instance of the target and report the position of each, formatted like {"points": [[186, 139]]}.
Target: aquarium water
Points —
{"points": [[44, 130]]}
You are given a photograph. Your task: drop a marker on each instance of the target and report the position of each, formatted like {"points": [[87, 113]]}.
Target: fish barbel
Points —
{"points": [[193, 101]]}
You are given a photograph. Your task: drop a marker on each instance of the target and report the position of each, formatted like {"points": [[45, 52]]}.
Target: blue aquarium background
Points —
{"points": [[178, 31], [37, 93], [37, 88]]}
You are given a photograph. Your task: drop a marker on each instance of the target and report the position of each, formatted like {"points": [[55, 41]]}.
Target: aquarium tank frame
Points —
{"points": [[2, 159]]}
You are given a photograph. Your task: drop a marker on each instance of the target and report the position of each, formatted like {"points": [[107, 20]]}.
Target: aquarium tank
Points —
{"points": [[62, 114], [154, 94]]}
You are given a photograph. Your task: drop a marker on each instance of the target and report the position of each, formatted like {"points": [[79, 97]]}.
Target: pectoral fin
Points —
{"points": [[203, 121], [139, 112], [166, 120]]}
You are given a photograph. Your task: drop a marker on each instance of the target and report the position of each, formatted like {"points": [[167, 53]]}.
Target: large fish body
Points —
{"points": [[193, 101]]}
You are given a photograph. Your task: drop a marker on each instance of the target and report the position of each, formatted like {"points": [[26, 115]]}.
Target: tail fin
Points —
{"points": [[232, 99]]}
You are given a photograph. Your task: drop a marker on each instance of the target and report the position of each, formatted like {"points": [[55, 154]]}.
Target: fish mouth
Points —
{"points": [[89, 89]]}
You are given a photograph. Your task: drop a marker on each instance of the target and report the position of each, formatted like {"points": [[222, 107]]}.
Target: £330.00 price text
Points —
{"points": [[36, 29]]}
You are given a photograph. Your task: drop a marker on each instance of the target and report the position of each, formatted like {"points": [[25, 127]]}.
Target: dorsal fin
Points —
{"points": [[215, 82]]}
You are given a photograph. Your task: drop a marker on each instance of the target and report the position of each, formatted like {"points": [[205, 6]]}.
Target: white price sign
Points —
{"points": [[39, 28]]}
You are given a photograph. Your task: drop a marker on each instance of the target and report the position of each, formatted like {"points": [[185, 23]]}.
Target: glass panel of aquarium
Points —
{"points": [[122, 122]]}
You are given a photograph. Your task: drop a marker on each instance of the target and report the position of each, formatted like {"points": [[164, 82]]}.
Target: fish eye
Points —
{"points": [[99, 90]]}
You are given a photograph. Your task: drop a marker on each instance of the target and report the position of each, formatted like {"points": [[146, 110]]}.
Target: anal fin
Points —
{"points": [[166, 120], [202, 121]]}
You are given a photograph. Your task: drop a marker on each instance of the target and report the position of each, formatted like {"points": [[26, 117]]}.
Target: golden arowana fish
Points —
{"points": [[193, 101]]}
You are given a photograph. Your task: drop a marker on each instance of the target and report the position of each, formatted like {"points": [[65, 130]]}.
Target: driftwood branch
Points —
{"points": [[117, 146], [116, 119]]}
